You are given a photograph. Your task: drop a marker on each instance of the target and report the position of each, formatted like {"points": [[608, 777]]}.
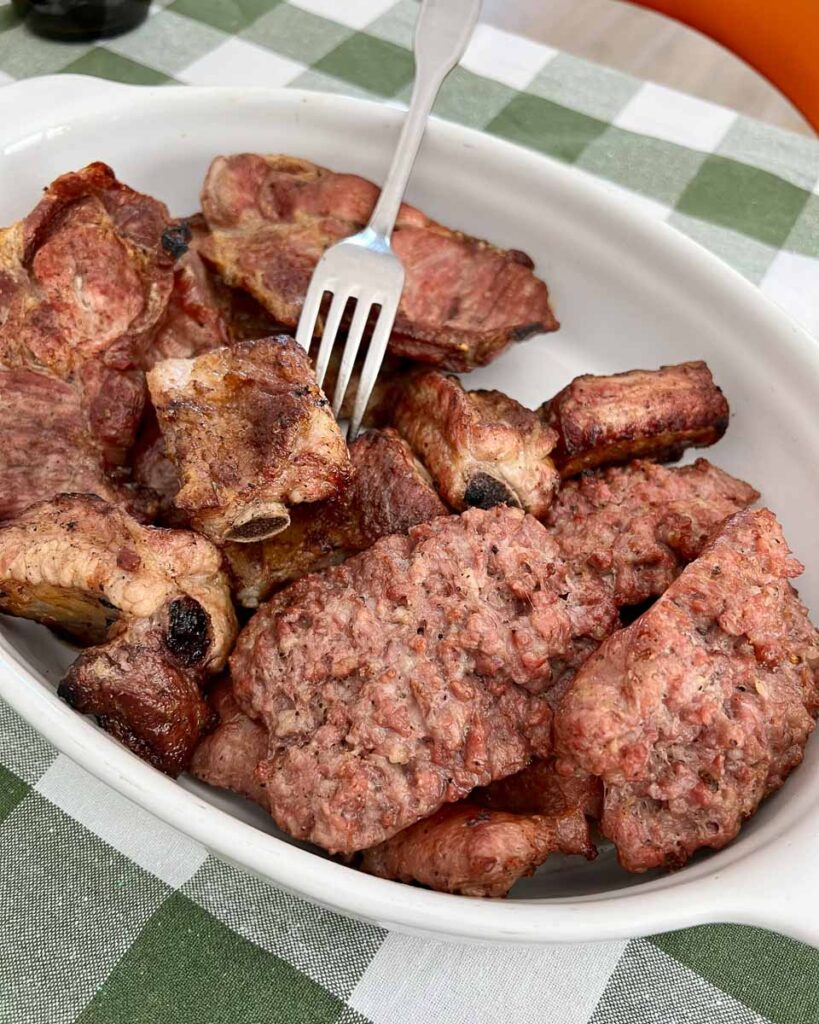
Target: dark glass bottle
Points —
{"points": [[81, 19]]}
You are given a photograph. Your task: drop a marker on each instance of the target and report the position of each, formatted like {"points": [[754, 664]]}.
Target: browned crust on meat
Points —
{"points": [[84, 281], [465, 848], [144, 685], [412, 673], [703, 706], [155, 604], [250, 433], [389, 492], [648, 414], [464, 300], [481, 447], [81, 565], [376, 414]]}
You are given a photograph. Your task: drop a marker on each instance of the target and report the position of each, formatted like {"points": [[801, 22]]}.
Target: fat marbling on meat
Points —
{"points": [[702, 707], [271, 218], [412, 673], [647, 414], [84, 280], [250, 433]]}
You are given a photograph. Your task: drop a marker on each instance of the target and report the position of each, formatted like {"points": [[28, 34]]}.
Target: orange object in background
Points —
{"points": [[780, 38]]}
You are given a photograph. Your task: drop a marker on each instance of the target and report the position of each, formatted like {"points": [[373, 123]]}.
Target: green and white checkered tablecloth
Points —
{"points": [[108, 916]]}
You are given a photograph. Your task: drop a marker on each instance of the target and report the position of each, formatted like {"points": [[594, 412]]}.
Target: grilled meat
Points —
{"points": [[227, 757], [272, 217], [250, 434], [648, 414], [638, 525], [48, 447], [144, 685], [154, 471], [84, 281], [482, 448], [197, 317], [412, 673], [154, 601], [391, 371], [540, 789], [465, 848], [389, 492], [702, 707], [86, 568]]}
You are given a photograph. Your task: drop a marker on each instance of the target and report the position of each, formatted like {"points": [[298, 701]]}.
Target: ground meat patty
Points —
{"points": [[638, 525], [412, 673], [467, 849], [702, 707]]}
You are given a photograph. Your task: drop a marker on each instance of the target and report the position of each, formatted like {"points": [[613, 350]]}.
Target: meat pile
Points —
{"points": [[476, 637]]}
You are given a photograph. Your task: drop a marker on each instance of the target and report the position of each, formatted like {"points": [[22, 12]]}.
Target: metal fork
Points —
{"points": [[364, 267]]}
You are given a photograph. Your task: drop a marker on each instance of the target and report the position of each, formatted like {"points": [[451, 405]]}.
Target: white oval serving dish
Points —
{"points": [[630, 292]]}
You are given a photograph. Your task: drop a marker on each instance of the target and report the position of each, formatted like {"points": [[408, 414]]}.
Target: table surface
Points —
{"points": [[107, 914]]}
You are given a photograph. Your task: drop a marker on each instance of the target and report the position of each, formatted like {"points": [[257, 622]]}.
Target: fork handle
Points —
{"points": [[441, 33]]}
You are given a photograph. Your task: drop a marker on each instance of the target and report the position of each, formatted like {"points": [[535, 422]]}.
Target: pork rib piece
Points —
{"points": [[481, 447], [48, 447], [638, 525], [465, 848], [84, 281], [155, 601], [272, 217], [650, 414], [250, 433], [703, 706], [389, 492], [144, 685], [412, 673], [83, 566]]}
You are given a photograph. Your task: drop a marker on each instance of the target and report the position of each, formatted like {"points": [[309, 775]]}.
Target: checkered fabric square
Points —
{"points": [[108, 916]]}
